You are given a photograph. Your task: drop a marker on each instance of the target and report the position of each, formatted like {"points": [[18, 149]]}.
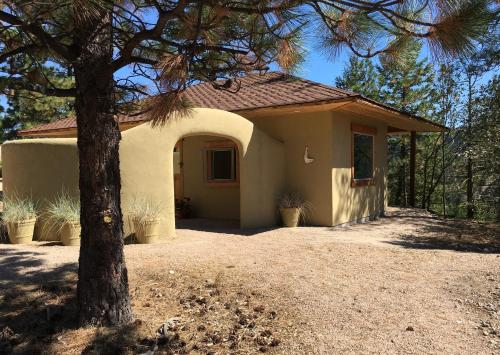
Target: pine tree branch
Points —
{"points": [[16, 83], [46, 39]]}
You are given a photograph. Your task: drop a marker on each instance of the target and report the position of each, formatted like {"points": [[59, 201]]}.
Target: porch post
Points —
{"points": [[413, 148]]}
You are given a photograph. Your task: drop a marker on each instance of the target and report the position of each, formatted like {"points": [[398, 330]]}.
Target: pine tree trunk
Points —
{"points": [[470, 202], [401, 192], [103, 296], [413, 154]]}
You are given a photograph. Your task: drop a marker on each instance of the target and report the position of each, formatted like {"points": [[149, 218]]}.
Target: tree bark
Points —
{"points": [[103, 295], [470, 196], [401, 192], [413, 153]]}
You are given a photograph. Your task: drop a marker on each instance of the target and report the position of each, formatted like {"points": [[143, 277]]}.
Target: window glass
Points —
{"points": [[363, 156], [222, 164]]}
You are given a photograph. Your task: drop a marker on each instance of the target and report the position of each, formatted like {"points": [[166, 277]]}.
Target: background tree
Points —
{"points": [[360, 76], [26, 109], [173, 44]]}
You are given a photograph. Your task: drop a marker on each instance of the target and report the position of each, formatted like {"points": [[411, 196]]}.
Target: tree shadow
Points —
{"points": [[34, 305], [229, 227], [451, 234]]}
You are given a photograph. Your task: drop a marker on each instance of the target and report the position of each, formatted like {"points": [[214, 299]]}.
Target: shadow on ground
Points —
{"points": [[448, 234], [33, 306], [230, 227]]}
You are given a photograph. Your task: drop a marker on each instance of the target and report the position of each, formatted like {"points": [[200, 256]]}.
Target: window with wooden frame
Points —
{"points": [[363, 155], [221, 163]]}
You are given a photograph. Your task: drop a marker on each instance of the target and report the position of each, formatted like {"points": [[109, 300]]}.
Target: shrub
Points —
{"points": [[17, 209], [65, 209]]}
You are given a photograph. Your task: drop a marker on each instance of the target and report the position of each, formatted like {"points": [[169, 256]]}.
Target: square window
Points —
{"points": [[221, 163]]}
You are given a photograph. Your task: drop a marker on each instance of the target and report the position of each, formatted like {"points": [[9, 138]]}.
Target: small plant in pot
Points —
{"points": [[183, 208], [19, 215], [146, 218], [293, 207], [63, 218]]}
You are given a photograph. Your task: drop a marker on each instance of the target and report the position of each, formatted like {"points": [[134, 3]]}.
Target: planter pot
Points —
{"points": [[21, 232], [147, 232], [290, 216], [70, 234]]}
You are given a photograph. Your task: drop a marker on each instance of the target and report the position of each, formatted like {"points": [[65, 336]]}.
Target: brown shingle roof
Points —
{"points": [[247, 93], [251, 92], [259, 91]]}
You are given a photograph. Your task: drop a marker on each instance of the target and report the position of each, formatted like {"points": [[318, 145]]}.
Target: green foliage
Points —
{"points": [[448, 94], [360, 76], [17, 209]]}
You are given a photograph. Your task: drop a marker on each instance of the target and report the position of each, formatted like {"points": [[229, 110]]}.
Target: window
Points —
{"points": [[221, 161], [362, 155]]}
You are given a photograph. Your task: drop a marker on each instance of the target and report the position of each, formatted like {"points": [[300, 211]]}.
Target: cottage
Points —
{"points": [[235, 153]]}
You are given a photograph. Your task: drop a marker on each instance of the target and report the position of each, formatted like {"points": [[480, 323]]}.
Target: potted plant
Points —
{"points": [[19, 215], [63, 217], [145, 214], [183, 208], [293, 207]]}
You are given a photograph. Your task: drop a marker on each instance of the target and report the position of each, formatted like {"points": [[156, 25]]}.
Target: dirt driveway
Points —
{"points": [[408, 283]]}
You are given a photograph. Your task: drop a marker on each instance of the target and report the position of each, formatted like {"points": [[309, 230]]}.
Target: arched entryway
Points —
{"points": [[147, 168], [206, 182]]}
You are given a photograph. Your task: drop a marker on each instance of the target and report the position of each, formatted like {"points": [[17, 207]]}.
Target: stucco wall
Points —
{"points": [[326, 182], [40, 168], [353, 204], [208, 201], [146, 162], [313, 180]]}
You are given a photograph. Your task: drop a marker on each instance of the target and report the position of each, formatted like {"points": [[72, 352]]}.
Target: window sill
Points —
{"points": [[364, 182], [222, 184]]}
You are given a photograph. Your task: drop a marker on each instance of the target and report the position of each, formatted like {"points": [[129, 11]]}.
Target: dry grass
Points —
{"points": [[402, 284]]}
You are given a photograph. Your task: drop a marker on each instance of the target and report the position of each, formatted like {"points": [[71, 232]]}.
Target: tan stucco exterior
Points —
{"points": [[271, 151], [40, 168], [43, 168], [326, 182], [218, 201]]}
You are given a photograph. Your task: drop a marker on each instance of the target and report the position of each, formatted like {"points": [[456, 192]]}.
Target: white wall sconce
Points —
{"points": [[307, 158]]}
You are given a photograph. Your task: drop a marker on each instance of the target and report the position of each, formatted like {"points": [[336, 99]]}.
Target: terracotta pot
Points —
{"points": [[70, 234], [290, 216], [147, 232], [21, 232]]}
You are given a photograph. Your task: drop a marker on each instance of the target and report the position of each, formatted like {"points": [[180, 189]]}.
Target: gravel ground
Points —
{"points": [[408, 283]]}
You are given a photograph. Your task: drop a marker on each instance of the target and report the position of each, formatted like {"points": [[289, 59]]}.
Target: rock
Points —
{"points": [[272, 315], [169, 325], [209, 283], [410, 328], [200, 328]]}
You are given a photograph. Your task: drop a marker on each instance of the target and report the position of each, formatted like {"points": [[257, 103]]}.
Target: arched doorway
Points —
{"points": [[206, 182], [147, 170]]}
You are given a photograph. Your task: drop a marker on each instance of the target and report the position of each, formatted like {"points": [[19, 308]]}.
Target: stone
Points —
{"points": [[209, 283], [410, 328]]}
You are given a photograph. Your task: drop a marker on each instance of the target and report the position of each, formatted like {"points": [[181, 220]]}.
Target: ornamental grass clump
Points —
{"points": [[145, 214], [19, 216], [17, 209], [293, 207], [63, 218]]}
